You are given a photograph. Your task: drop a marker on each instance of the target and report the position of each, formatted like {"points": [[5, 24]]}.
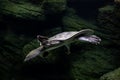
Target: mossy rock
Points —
{"points": [[23, 10], [108, 20], [91, 62], [52, 7], [107, 8], [71, 21], [29, 10], [113, 75], [11, 56]]}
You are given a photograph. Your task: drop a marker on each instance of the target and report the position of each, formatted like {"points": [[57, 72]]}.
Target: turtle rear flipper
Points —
{"points": [[91, 38], [33, 53]]}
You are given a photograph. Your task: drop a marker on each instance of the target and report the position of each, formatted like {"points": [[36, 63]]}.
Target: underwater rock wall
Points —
{"points": [[29, 10], [112, 22], [113, 75], [30, 17], [49, 17]]}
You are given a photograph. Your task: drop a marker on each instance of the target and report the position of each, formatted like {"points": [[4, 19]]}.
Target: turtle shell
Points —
{"points": [[71, 34]]}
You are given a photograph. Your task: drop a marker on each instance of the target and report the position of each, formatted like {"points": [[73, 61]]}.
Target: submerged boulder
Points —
{"points": [[21, 9], [31, 10], [113, 75]]}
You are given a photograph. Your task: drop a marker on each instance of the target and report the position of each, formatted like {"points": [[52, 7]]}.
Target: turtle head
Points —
{"points": [[42, 39]]}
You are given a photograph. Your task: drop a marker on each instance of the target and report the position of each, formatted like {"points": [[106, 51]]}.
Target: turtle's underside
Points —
{"points": [[62, 39]]}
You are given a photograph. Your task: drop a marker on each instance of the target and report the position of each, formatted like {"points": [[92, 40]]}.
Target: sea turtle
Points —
{"points": [[62, 39]]}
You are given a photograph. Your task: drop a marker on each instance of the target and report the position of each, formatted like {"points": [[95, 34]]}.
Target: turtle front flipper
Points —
{"points": [[33, 53], [68, 48]]}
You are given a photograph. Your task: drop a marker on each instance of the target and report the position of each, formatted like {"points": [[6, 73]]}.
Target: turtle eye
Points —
{"points": [[41, 38], [38, 36]]}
